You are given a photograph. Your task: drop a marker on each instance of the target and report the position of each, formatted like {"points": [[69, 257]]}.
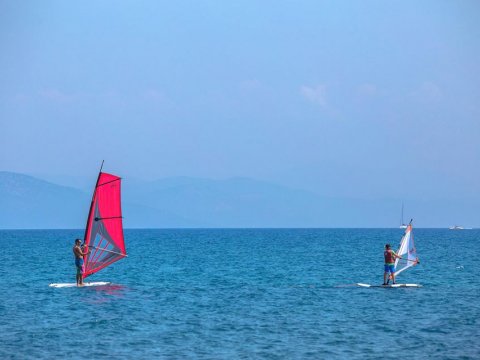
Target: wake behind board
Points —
{"points": [[389, 286], [87, 284]]}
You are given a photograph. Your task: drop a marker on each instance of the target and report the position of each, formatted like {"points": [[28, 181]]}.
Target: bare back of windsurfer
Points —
{"points": [[390, 257]]}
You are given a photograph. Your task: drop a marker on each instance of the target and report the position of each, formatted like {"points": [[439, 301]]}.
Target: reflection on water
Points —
{"points": [[103, 293]]}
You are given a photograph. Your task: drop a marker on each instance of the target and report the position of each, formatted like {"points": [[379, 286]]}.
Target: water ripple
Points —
{"points": [[240, 294]]}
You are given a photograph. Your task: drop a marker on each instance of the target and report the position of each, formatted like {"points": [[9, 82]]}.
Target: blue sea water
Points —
{"points": [[241, 294]]}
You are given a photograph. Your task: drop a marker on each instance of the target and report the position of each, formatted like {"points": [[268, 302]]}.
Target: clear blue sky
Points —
{"points": [[371, 99]]}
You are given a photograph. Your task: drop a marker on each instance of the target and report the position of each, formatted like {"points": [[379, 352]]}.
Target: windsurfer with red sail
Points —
{"points": [[79, 254]]}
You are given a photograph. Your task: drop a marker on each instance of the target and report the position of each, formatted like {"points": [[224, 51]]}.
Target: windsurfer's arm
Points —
{"points": [[80, 253]]}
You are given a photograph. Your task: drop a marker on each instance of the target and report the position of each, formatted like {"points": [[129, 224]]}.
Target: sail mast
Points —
{"points": [[402, 223], [87, 227]]}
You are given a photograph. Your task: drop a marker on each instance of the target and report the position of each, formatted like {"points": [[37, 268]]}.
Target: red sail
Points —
{"points": [[104, 231]]}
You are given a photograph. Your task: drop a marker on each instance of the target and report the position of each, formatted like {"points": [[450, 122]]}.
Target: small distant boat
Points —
{"points": [[403, 225], [456, 227]]}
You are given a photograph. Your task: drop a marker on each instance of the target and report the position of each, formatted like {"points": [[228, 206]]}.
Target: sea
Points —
{"points": [[241, 294]]}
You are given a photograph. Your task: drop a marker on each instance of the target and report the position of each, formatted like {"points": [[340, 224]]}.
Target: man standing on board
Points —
{"points": [[79, 254], [390, 257]]}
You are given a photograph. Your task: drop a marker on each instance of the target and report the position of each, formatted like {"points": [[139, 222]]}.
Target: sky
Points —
{"points": [[365, 99]]}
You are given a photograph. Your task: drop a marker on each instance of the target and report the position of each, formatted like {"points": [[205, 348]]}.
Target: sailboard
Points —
{"points": [[103, 241], [409, 258], [88, 284], [388, 286]]}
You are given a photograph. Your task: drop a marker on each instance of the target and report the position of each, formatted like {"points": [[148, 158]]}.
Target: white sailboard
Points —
{"points": [[87, 284], [388, 286], [409, 258]]}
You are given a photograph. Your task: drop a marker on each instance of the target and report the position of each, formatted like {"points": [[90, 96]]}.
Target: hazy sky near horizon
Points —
{"points": [[354, 98]]}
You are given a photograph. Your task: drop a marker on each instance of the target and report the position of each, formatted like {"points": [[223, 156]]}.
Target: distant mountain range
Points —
{"points": [[29, 202]]}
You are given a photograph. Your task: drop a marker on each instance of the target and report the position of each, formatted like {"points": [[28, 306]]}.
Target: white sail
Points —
{"points": [[407, 251]]}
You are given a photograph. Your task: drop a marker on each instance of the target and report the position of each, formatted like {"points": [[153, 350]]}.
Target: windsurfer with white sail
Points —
{"points": [[390, 257], [79, 254]]}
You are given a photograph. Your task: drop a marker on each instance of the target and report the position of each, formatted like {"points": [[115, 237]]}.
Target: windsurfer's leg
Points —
{"points": [[79, 275]]}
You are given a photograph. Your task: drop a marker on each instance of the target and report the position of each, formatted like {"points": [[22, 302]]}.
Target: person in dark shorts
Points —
{"points": [[79, 254], [390, 257]]}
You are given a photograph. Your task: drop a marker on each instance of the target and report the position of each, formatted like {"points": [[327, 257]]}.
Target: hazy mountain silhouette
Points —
{"points": [[29, 202]]}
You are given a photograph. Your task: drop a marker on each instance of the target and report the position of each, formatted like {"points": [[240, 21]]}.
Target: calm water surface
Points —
{"points": [[234, 294]]}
